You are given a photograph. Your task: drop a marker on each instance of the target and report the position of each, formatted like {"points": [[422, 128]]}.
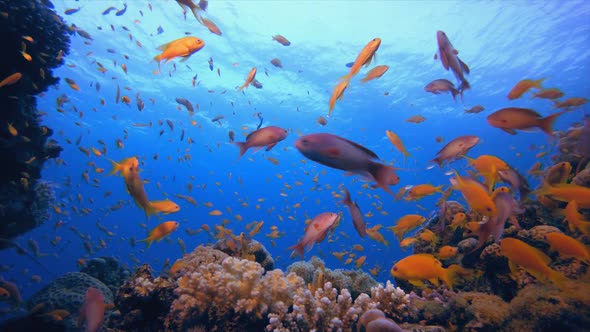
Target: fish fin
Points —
{"points": [[537, 83], [364, 149], [243, 148], [444, 60], [384, 176], [347, 200], [464, 67], [417, 283], [116, 167], [437, 161], [299, 248], [270, 146], [434, 281], [546, 124], [163, 46], [509, 130]]}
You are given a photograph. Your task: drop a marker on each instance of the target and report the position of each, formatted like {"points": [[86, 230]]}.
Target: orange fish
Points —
{"points": [[567, 247], [417, 268], [161, 231], [165, 206], [567, 193], [416, 119], [523, 86], [476, 195], [511, 118], [422, 190], [282, 40], [533, 260], [182, 47], [552, 93], [338, 93], [364, 58], [397, 142], [12, 79], [374, 73], [570, 102], [575, 219], [249, 79], [134, 185], [211, 26], [405, 224]]}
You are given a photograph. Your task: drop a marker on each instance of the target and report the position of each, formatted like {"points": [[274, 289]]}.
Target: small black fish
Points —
{"points": [[122, 11], [108, 10]]}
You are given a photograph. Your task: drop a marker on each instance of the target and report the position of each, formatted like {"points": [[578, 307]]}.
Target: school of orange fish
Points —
{"points": [[483, 193]]}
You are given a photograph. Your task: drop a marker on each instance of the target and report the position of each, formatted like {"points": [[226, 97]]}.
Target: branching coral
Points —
{"points": [[230, 295]]}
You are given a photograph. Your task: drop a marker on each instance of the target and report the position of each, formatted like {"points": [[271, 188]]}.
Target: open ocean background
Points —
{"points": [[502, 42]]}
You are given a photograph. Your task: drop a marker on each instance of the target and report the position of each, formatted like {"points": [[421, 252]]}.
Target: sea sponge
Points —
{"points": [[479, 310], [542, 308]]}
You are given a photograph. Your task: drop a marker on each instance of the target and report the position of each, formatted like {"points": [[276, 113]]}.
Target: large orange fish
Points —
{"points": [[316, 231], [512, 118], [183, 47], [419, 267], [533, 260], [364, 58]]}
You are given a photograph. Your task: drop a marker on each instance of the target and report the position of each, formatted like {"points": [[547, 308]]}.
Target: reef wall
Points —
{"points": [[35, 40]]}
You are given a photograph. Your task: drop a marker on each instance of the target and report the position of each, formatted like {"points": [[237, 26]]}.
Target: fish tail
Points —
{"points": [[116, 167], [243, 148], [347, 200], [382, 175], [456, 92], [150, 210], [537, 83], [437, 161], [558, 279], [299, 248], [546, 124], [451, 274], [464, 86]]}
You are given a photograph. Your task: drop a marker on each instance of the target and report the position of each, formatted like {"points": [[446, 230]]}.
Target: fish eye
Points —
{"points": [[489, 209], [395, 268]]}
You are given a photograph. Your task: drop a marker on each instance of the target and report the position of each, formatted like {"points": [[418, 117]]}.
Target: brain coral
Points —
{"points": [[67, 292]]}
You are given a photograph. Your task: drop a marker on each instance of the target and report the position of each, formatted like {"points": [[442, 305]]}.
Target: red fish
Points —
{"points": [[249, 79], [455, 149], [442, 85], [340, 153], [316, 231], [450, 60], [267, 136], [92, 311], [357, 217]]}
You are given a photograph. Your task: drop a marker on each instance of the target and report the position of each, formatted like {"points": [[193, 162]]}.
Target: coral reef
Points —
{"points": [[232, 296], [249, 249], [108, 270], [315, 273], [143, 302], [67, 293], [25, 148]]}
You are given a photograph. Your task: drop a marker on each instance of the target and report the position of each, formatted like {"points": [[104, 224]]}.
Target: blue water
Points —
{"points": [[502, 42]]}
